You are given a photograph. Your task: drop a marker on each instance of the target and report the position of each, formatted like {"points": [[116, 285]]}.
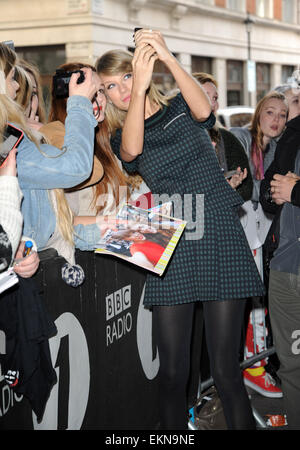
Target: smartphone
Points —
{"points": [[12, 137], [230, 173], [135, 30]]}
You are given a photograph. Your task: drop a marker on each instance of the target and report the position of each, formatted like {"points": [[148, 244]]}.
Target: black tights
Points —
{"points": [[223, 326]]}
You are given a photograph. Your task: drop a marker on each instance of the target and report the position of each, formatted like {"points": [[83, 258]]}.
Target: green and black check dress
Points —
{"points": [[178, 158]]}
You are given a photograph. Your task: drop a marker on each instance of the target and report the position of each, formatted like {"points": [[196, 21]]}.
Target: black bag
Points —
{"points": [[208, 411]]}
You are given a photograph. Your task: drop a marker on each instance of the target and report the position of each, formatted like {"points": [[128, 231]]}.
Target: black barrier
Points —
{"points": [[103, 352]]}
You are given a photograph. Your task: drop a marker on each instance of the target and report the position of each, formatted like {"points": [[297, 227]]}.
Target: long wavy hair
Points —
{"points": [[113, 177], [257, 147], [10, 111], [116, 62], [33, 71]]}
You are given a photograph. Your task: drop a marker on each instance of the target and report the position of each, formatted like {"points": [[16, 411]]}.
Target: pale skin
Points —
{"points": [[282, 186], [212, 92], [128, 91]]}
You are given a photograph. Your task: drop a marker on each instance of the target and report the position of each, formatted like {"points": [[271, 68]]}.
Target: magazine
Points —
{"points": [[7, 279], [143, 237]]}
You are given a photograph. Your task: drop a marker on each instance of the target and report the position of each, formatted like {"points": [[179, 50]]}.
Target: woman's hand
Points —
{"points": [[282, 186], [33, 119], [9, 166], [237, 178], [155, 39], [26, 267], [142, 64], [88, 87]]}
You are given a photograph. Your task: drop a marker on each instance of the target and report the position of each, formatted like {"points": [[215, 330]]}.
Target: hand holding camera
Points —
{"points": [[82, 82]]}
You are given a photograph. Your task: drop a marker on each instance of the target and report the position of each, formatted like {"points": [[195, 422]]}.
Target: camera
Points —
{"points": [[61, 81]]}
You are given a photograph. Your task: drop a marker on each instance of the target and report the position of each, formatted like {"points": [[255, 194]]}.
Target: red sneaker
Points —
{"points": [[264, 384]]}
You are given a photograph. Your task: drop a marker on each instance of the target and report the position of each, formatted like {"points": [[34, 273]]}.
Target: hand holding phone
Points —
{"points": [[12, 137], [9, 166]]}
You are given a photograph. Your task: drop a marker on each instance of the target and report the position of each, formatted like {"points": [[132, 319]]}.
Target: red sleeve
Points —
{"points": [[151, 250]]}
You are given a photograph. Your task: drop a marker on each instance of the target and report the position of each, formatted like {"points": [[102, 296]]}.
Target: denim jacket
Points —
{"points": [[50, 168]]}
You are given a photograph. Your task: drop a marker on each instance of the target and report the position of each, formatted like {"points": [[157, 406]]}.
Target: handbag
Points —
{"points": [[208, 411]]}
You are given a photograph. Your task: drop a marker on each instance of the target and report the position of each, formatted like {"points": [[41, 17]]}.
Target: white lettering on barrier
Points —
{"points": [[117, 304], [71, 341], [8, 397], [144, 340]]}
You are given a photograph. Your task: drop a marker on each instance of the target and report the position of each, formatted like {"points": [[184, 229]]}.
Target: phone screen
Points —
{"points": [[12, 136]]}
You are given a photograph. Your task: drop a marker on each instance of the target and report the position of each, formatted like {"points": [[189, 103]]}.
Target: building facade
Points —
{"points": [[248, 45]]}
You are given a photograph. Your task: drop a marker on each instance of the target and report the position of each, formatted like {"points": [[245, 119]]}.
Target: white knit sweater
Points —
{"points": [[11, 218]]}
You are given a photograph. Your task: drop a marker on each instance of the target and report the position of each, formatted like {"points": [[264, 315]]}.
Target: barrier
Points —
{"points": [[103, 354]]}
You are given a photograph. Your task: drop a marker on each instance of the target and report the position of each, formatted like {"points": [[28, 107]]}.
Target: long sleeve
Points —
{"points": [[49, 167], [237, 157], [86, 237]]}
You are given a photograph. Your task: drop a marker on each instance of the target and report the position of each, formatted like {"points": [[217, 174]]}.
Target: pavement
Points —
{"points": [[268, 411]]}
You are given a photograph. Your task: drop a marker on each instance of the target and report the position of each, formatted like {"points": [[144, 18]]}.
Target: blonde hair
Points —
{"points": [[257, 134], [204, 77], [32, 70], [10, 111], [116, 62], [24, 93]]}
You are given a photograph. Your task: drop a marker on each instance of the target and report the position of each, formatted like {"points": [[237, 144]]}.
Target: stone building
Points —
{"points": [[249, 45]]}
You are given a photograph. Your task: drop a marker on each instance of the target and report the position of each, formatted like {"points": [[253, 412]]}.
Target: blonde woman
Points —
{"points": [[165, 140]]}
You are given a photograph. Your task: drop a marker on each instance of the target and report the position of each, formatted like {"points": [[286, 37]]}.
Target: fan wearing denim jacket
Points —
{"points": [[41, 166]]}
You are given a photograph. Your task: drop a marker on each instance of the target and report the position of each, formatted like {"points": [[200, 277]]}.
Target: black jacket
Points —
{"points": [[27, 362], [236, 156], [284, 161]]}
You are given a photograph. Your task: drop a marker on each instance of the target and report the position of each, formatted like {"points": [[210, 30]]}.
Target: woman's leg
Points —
{"points": [[223, 327], [172, 326]]}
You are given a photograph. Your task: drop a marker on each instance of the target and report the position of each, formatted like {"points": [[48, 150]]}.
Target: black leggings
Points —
{"points": [[223, 326]]}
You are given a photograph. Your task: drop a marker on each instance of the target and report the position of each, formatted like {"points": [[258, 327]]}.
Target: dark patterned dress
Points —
{"points": [[179, 160]]}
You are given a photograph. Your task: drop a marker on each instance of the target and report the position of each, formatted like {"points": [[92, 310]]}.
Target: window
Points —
{"points": [[47, 59], [264, 8], [237, 5], [289, 11], [263, 79], [201, 64], [234, 83], [161, 76], [286, 73], [206, 2]]}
